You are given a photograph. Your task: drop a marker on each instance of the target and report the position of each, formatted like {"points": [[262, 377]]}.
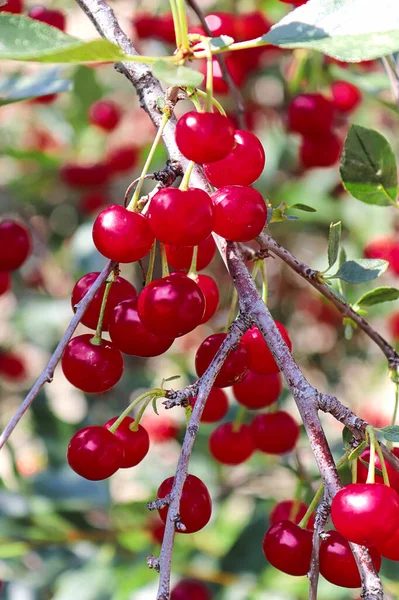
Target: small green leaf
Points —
{"points": [[377, 296], [303, 207], [223, 41], [390, 433], [154, 405], [347, 437], [361, 270], [173, 75], [357, 451], [334, 239], [368, 167], [172, 378], [342, 257]]}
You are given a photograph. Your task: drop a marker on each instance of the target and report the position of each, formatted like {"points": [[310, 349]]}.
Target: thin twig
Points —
{"points": [[323, 510]]}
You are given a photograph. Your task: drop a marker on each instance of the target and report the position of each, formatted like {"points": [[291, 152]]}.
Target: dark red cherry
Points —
{"points": [[13, 6], [180, 257], [258, 390], [216, 406], [15, 245], [204, 137], [120, 290], [251, 25], [195, 503], [144, 25], [12, 366], [189, 589], [322, 152], [366, 513], [55, 18], [181, 217], [122, 159], [362, 469], [135, 444], [105, 114], [231, 446], [130, 336], [5, 282], [275, 433], [288, 548], [221, 23], [235, 366], [171, 306], [390, 547], [239, 213], [261, 359], [95, 453], [242, 166], [46, 99], [295, 2], [311, 115], [210, 290], [164, 29], [337, 563], [347, 96], [79, 175], [91, 368], [290, 510], [122, 235], [92, 202]]}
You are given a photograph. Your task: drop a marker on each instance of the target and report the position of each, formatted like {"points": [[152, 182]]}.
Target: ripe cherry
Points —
{"points": [[258, 390], [195, 503], [261, 359], [189, 589], [171, 306], [120, 290], [164, 29], [92, 202], [290, 510], [337, 563], [181, 217], [322, 152], [5, 282], [15, 7], [275, 433], [242, 166], [231, 446], [311, 115], [105, 114], [95, 453], [12, 366], [129, 334], [91, 368], [144, 25], [122, 235], [251, 25], [15, 245], [239, 213], [394, 325], [222, 23], [366, 513], [288, 548], [204, 137], [210, 290], [362, 469], [160, 428], [216, 406], [347, 96], [390, 547], [180, 257], [122, 159], [79, 175], [55, 18], [235, 366], [135, 444]]}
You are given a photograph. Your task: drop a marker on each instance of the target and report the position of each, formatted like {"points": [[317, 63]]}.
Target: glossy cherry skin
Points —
{"points": [[204, 137], [242, 166], [12, 366], [195, 503], [55, 18], [311, 115], [347, 96], [15, 245], [216, 406], [390, 547], [76, 175], [322, 152], [285, 511], [105, 114], [189, 589], [92, 369], [239, 213], [129, 334], [392, 473], [5, 282], [210, 290], [122, 159], [235, 366], [95, 453], [15, 7], [261, 359], [180, 257], [135, 444], [275, 433], [231, 447], [122, 235], [337, 563], [181, 217], [171, 306], [288, 548], [258, 390], [120, 290], [366, 513]]}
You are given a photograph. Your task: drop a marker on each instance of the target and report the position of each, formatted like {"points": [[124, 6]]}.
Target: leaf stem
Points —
{"points": [[395, 410], [164, 261], [181, 10], [176, 22], [376, 444], [186, 179], [151, 263], [215, 102], [193, 267], [154, 393], [209, 74], [264, 281], [371, 470], [96, 339]]}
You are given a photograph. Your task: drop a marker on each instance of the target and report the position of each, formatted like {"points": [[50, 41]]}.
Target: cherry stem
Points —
{"points": [[232, 309], [164, 261], [238, 421], [176, 22], [181, 11], [96, 339], [151, 263], [135, 425], [186, 179], [215, 102], [354, 470], [395, 410], [371, 470], [381, 457], [209, 74], [154, 393], [304, 521], [192, 94], [264, 281], [193, 267]]}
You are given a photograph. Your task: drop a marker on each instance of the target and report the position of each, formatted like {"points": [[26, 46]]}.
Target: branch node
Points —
{"points": [[159, 503], [153, 563]]}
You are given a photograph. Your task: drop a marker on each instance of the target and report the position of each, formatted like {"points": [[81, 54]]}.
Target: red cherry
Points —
{"points": [[172, 306], [181, 217], [92, 202], [5, 282], [135, 444], [362, 470], [242, 166], [229, 446], [235, 366], [390, 547], [160, 428], [15, 245], [210, 290], [216, 406], [76, 175], [311, 115], [337, 563], [195, 503], [275, 433], [258, 390], [285, 510], [95, 453], [295, 3], [92, 369], [180, 257], [261, 359], [347, 96], [366, 513], [122, 235], [122, 159], [221, 23], [46, 99], [288, 548], [394, 325], [251, 25], [130, 336], [163, 28], [204, 137], [189, 589], [120, 290], [322, 152], [105, 114], [12, 366], [13, 6], [144, 25], [55, 18], [240, 213]]}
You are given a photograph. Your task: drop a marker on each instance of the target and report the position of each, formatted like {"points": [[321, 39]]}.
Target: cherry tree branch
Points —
{"points": [[322, 513]]}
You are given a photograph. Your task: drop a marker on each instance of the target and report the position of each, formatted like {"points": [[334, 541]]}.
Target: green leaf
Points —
{"points": [[379, 295], [368, 167], [334, 239], [361, 270], [347, 436], [391, 433], [303, 207], [223, 41], [173, 75], [20, 87], [342, 257], [172, 378], [349, 30], [357, 451], [43, 159]]}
